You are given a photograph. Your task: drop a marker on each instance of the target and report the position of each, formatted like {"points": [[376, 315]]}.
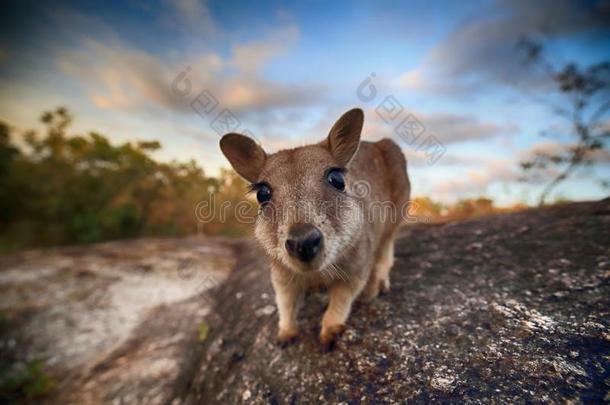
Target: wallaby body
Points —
{"points": [[329, 215]]}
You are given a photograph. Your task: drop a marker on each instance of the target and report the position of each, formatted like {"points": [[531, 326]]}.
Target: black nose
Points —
{"points": [[304, 242]]}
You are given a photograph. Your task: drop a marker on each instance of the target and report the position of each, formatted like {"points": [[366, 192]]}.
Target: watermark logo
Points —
{"points": [[404, 124], [207, 106], [361, 188]]}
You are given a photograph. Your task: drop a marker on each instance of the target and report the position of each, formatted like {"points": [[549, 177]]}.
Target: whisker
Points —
{"points": [[326, 273], [331, 270], [338, 273], [344, 273], [336, 270]]}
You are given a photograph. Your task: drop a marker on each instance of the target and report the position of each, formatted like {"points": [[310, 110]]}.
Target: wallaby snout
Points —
{"points": [[304, 242]]}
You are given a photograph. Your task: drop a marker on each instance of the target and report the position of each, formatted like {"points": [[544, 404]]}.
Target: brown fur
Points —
{"points": [[358, 225]]}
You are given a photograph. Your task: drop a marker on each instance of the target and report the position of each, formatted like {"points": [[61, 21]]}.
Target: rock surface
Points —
{"points": [[113, 322], [506, 309], [510, 309]]}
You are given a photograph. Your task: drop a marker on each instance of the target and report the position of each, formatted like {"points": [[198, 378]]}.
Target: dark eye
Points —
{"points": [[336, 179], [263, 193]]}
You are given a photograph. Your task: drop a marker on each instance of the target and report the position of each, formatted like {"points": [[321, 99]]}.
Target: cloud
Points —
{"points": [[597, 156], [191, 17], [249, 94], [251, 57], [475, 182], [483, 51], [446, 127], [123, 78], [192, 10], [419, 159], [450, 128], [119, 78]]}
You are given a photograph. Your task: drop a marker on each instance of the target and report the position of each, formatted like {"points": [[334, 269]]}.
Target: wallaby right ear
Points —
{"points": [[344, 137], [246, 157]]}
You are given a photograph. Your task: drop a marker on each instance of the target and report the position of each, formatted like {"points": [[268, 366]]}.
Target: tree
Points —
{"points": [[9, 200], [584, 101], [58, 188]]}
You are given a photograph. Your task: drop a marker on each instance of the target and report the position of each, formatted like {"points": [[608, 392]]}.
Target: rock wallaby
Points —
{"points": [[329, 213]]}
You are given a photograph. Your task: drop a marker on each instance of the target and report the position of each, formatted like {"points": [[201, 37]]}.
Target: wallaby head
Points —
{"points": [[308, 214]]}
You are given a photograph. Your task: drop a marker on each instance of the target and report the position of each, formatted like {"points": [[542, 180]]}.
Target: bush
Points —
{"points": [[65, 189]]}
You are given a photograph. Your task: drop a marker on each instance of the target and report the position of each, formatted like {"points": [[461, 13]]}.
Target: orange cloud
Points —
{"points": [[123, 78]]}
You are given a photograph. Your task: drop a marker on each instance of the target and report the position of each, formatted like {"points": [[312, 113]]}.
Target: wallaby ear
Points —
{"points": [[246, 157], [344, 137]]}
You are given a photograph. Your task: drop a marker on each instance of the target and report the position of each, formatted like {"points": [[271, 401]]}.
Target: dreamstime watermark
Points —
{"points": [[406, 126], [209, 211], [206, 105], [351, 207]]}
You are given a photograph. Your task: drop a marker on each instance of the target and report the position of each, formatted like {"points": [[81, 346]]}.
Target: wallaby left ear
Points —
{"points": [[344, 137], [246, 157]]}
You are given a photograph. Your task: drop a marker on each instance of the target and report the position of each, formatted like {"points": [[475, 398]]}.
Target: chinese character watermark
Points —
{"points": [[405, 125]]}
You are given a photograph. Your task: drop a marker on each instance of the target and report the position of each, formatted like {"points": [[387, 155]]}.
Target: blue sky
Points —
{"points": [[286, 71]]}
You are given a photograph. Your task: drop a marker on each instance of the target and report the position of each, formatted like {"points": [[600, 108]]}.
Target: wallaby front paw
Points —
{"points": [[287, 336], [329, 335]]}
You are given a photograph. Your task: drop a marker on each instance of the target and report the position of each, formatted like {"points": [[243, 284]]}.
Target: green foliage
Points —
{"points": [[31, 383], [63, 189]]}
